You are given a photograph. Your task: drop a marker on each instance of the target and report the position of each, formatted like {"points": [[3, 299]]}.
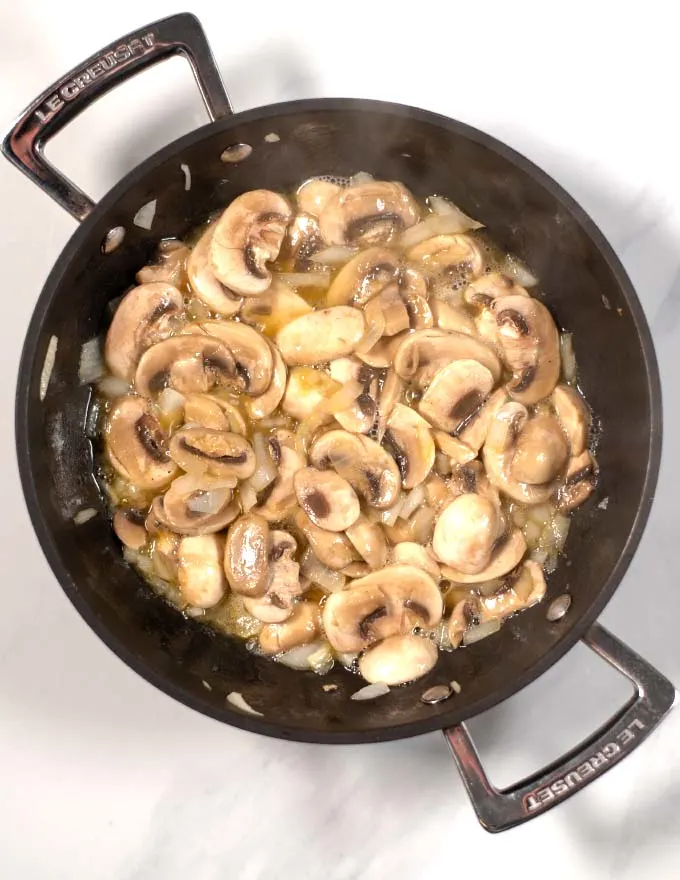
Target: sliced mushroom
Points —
{"points": [[421, 355], [390, 394], [215, 453], [414, 293], [321, 336], [302, 241], [398, 660], [394, 310], [188, 363], [465, 533], [573, 415], [272, 310], [455, 449], [525, 589], [128, 524], [466, 613], [369, 469], [507, 554], [327, 499], [540, 451], [459, 257], [408, 439], [146, 315], [369, 540], [137, 446], [199, 570], [360, 416], [264, 404], [493, 285], [410, 553], [579, 482], [307, 388], [170, 264], [204, 282], [381, 355], [196, 506], [250, 351], [246, 555], [301, 628], [314, 194], [246, 237], [356, 570], [476, 427], [212, 412], [531, 347], [281, 499], [455, 394], [363, 277], [333, 549], [370, 213], [382, 604], [283, 581], [448, 317], [437, 492]]}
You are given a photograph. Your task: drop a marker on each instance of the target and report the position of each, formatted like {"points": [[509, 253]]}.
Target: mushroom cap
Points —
{"points": [[246, 552], [370, 469], [196, 506], [301, 628], [327, 499], [369, 213], [215, 453], [246, 237], [465, 533], [398, 660], [507, 554], [250, 351], [409, 441], [273, 309], [136, 444], [579, 482], [188, 363], [457, 255], [455, 393], [422, 354], [321, 336], [283, 581], [313, 195], [531, 347], [146, 315], [333, 549], [541, 451], [573, 415], [306, 390], [369, 540], [363, 277], [199, 570], [204, 282]]}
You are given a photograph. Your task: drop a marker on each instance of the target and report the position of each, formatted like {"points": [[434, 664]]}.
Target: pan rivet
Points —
{"points": [[236, 153], [436, 694], [558, 607], [113, 239]]}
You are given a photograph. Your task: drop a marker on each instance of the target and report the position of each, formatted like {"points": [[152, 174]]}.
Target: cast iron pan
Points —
{"points": [[528, 214]]}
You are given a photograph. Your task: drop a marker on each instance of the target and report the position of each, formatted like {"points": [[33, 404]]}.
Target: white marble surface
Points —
{"points": [[101, 776]]}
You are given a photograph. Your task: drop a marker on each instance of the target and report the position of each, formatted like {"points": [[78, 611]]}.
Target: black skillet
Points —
{"points": [[528, 214]]}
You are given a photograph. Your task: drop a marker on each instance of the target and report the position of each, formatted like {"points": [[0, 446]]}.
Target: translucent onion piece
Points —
{"points": [[375, 325], [319, 574], [371, 691], [437, 224], [515, 269], [248, 496], [336, 255], [236, 699], [360, 177], [265, 468], [112, 386], [298, 658], [208, 502], [170, 402], [477, 633], [91, 366], [412, 501], [342, 399], [306, 279], [568, 357], [391, 515]]}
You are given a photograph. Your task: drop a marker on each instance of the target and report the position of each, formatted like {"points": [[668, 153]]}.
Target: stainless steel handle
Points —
{"points": [[176, 35], [499, 810]]}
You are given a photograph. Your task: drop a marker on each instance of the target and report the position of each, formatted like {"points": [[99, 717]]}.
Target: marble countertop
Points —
{"points": [[105, 778]]}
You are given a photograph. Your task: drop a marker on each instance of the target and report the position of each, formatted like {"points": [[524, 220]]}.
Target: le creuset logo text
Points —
{"points": [[541, 797], [69, 90]]}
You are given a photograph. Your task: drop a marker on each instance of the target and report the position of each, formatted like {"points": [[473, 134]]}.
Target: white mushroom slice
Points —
{"points": [[196, 506], [251, 353], [146, 315], [465, 533], [541, 451], [188, 363], [363, 277], [410, 553], [421, 355], [128, 524], [414, 292], [199, 570], [246, 237], [455, 449], [246, 555], [457, 256], [466, 613], [356, 570], [212, 412], [215, 453], [281, 499], [321, 336], [332, 549], [369, 540], [527, 588], [283, 582], [306, 390], [395, 315], [137, 446], [301, 628], [327, 499], [448, 317], [408, 439], [455, 394], [398, 660], [385, 603], [579, 482], [390, 395], [203, 281], [531, 347], [507, 554], [368, 467], [273, 309], [359, 417], [264, 405], [382, 353], [493, 285], [473, 434], [314, 194], [370, 213], [573, 415]]}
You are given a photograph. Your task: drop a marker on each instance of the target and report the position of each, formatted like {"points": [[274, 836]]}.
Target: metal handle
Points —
{"points": [[179, 34], [499, 810]]}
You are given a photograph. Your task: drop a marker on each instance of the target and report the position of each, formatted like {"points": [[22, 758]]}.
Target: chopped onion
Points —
{"points": [[170, 402], [272, 138], [194, 612], [298, 658], [91, 365], [306, 430], [375, 325], [206, 684], [336, 255], [360, 178], [371, 691], [48, 366], [443, 207], [265, 469], [236, 699], [568, 357], [539, 555], [515, 269], [540, 514], [112, 386], [389, 517], [144, 217], [306, 279], [186, 171], [412, 501], [481, 631], [84, 515], [421, 525], [560, 527], [347, 658], [437, 224], [208, 502], [318, 573], [342, 399], [456, 687], [321, 661], [442, 464], [248, 496]]}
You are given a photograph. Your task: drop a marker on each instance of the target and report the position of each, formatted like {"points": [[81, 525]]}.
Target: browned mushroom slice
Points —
{"points": [[507, 554], [476, 427], [521, 589], [196, 506], [246, 237], [273, 309], [188, 363], [215, 453], [246, 552], [128, 524], [466, 532], [321, 336], [333, 549], [314, 194], [368, 467], [573, 414], [146, 315], [458, 256], [370, 213], [408, 439], [579, 482], [455, 394], [301, 628], [327, 499], [250, 351], [204, 282], [540, 451], [398, 660], [363, 277], [531, 347], [199, 570], [137, 446], [421, 355], [283, 581]]}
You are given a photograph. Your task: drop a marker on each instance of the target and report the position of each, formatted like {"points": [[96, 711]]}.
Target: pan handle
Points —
{"points": [[499, 810], [64, 100]]}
